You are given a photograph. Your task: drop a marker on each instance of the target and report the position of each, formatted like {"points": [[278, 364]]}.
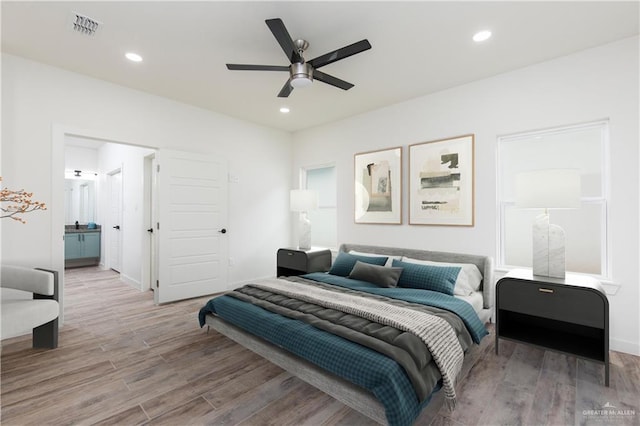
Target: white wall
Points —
{"points": [[39, 100], [594, 84], [80, 158]]}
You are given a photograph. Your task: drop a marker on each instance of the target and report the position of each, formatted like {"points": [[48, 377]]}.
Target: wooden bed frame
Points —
{"points": [[346, 392]]}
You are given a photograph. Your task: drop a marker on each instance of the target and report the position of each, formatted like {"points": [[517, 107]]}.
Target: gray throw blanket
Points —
{"points": [[435, 332]]}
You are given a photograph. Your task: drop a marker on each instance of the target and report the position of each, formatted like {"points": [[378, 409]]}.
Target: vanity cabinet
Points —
{"points": [[81, 248]]}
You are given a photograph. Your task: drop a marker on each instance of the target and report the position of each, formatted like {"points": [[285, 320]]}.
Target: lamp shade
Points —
{"points": [[549, 189], [303, 200]]}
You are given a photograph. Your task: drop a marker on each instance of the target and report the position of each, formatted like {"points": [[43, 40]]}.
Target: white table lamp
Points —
{"points": [[548, 189], [302, 201]]}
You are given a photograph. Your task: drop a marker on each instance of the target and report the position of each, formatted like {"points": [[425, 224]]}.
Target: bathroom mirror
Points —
{"points": [[80, 201]]}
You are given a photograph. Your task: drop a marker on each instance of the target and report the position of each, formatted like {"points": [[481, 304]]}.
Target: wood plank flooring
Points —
{"points": [[122, 360]]}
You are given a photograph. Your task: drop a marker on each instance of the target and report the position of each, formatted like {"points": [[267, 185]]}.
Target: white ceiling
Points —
{"points": [[418, 47]]}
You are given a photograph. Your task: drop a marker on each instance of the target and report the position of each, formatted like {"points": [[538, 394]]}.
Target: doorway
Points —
{"points": [[118, 202]]}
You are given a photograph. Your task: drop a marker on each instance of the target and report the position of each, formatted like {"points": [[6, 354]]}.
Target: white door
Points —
{"points": [[192, 212], [115, 219]]}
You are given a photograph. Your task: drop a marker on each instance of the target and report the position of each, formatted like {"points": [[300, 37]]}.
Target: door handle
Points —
{"points": [[223, 231], [150, 230], [116, 227]]}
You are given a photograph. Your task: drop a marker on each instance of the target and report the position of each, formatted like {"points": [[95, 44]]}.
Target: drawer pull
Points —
{"points": [[289, 254], [545, 290]]}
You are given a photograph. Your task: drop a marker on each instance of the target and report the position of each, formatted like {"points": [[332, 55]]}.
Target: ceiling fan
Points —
{"points": [[301, 72]]}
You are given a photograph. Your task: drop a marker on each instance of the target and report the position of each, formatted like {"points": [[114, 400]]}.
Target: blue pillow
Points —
{"points": [[427, 277], [345, 262]]}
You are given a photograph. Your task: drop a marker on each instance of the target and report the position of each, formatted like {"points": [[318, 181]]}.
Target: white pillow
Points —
{"points": [[469, 278], [389, 260]]}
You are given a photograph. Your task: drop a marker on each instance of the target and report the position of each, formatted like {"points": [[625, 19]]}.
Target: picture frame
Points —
{"points": [[378, 186], [441, 182]]}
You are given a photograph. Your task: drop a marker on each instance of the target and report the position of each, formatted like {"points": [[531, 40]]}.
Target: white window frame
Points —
{"points": [[604, 199]]}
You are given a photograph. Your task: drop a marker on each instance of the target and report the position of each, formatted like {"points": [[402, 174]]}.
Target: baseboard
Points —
{"points": [[130, 281], [7, 336], [625, 346]]}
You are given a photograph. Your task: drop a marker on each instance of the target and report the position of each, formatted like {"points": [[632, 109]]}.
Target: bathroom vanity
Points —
{"points": [[81, 246]]}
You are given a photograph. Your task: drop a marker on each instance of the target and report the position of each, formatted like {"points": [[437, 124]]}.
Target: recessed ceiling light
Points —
{"points": [[134, 57], [284, 110], [481, 36]]}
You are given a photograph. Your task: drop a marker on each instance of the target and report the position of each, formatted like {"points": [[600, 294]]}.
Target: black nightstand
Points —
{"points": [[568, 315], [293, 261]]}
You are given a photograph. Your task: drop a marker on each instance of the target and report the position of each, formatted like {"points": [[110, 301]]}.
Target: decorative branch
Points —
{"points": [[20, 202]]}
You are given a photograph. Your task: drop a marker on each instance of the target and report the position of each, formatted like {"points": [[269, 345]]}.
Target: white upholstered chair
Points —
{"points": [[39, 313]]}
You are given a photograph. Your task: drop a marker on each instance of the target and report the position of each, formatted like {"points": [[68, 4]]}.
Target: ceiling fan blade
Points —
{"points": [[286, 90], [329, 79], [241, 67], [341, 53], [284, 39]]}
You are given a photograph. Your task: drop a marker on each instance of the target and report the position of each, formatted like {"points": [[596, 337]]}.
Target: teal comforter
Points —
{"points": [[365, 367]]}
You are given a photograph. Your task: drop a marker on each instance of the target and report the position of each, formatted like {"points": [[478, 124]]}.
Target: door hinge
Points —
{"points": [[157, 283], [158, 168], [158, 226]]}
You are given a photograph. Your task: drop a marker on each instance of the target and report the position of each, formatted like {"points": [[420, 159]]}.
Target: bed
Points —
{"points": [[341, 333]]}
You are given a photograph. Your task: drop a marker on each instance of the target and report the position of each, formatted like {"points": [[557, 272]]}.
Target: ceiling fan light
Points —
{"points": [[300, 81], [301, 75]]}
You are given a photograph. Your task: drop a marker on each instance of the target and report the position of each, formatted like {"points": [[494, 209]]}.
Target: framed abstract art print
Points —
{"points": [[378, 186], [441, 182]]}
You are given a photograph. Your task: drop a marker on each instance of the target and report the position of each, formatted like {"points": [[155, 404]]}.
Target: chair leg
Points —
{"points": [[46, 335]]}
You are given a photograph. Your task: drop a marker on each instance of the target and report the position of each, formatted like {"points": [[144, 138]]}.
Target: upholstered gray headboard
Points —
{"points": [[484, 263]]}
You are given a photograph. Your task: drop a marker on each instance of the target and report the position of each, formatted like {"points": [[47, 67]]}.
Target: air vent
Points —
{"points": [[84, 24]]}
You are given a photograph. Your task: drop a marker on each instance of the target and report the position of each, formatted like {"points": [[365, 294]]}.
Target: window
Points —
{"points": [[324, 219], [583, 147]]}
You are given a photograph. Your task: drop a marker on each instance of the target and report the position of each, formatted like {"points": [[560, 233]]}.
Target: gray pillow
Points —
{"points": [[379, 275]]}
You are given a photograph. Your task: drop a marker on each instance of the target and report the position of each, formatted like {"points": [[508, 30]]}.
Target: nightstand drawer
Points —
{"points": [[292, 259], [553, 301]]}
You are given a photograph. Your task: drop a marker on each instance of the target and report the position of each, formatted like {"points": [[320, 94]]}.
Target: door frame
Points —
{"points": [[57, 204]]}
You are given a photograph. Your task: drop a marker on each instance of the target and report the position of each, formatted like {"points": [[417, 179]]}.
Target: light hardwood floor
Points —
{"points": [[121, 360]]}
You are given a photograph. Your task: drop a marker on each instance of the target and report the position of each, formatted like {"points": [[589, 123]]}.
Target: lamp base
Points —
{"points": [[548, 248], [304, 229]]}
